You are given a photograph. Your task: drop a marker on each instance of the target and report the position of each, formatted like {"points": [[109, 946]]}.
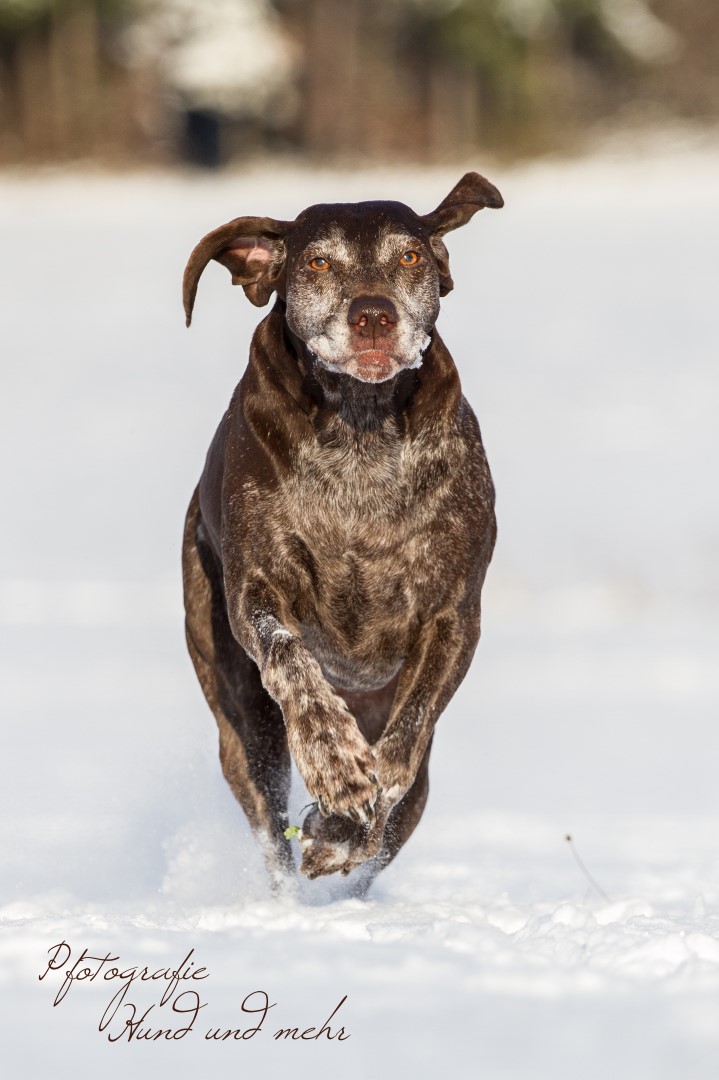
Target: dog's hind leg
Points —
{"points": [[254, 754]]}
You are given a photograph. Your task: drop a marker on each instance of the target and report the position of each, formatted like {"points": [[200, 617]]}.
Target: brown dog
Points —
{"points": [[337, 543]]}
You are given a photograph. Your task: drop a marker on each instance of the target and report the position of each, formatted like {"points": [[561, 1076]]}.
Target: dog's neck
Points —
{"points": [[363, 406]]}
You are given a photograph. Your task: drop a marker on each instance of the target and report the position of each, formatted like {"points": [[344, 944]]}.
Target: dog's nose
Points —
{"points": [[372, 315]]}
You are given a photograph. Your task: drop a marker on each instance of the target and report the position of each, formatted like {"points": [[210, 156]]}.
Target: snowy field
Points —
{"points": [[584, 325]]}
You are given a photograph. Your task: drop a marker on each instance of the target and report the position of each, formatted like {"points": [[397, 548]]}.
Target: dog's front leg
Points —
{"points": [[430, 676], [334, 759]]}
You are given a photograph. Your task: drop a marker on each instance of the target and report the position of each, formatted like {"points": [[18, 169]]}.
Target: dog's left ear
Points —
{"points": [[471, 194], [252, 249]]}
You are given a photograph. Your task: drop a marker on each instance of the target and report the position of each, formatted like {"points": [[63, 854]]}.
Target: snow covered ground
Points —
{"points": [[584, 323]]}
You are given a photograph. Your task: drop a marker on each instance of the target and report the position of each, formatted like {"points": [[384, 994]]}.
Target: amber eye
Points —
{"points": [[410, 258], [319, 263]]}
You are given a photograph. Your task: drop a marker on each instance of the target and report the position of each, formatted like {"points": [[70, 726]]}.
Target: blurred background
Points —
{"points": [[166, 81]]}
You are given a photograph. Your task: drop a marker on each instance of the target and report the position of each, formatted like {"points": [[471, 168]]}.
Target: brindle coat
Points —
{"points": [[337, 543]]}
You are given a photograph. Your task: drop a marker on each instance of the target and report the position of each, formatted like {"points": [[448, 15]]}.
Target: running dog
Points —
{"points": [[336, 545]]}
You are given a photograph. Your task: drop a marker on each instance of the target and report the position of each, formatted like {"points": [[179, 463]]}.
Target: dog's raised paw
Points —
{"points": [[336, 763]]}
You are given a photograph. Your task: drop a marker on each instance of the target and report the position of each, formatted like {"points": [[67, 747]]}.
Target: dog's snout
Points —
{"points": [[372, 315]]}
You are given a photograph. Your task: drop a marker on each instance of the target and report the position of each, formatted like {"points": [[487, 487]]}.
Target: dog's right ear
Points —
{"points": [[252, 249]]}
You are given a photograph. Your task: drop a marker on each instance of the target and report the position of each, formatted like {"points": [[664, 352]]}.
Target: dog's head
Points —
{"points": [[361, 281]]}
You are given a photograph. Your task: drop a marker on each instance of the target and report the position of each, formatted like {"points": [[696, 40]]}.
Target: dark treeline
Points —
{"points": [[168, 80]]}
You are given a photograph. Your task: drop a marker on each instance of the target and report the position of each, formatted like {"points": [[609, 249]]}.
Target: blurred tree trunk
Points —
{"points": [[452, 121], [32, 106], [75, 78], [332, 88]]}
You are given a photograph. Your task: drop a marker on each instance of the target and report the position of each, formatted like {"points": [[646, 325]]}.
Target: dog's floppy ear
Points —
{"points": [[252, 249], [471, 194]]}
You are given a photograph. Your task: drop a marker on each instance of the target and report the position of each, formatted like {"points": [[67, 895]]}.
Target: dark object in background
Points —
{"points": [[202, 138], [337, 543]]}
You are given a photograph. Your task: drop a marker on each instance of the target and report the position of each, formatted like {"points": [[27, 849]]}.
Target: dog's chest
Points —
{"points": [[362, 522], [348, 480]]}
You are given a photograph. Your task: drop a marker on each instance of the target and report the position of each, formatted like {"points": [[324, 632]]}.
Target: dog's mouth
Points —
{"points": [[373, 365], [368, 365]]}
